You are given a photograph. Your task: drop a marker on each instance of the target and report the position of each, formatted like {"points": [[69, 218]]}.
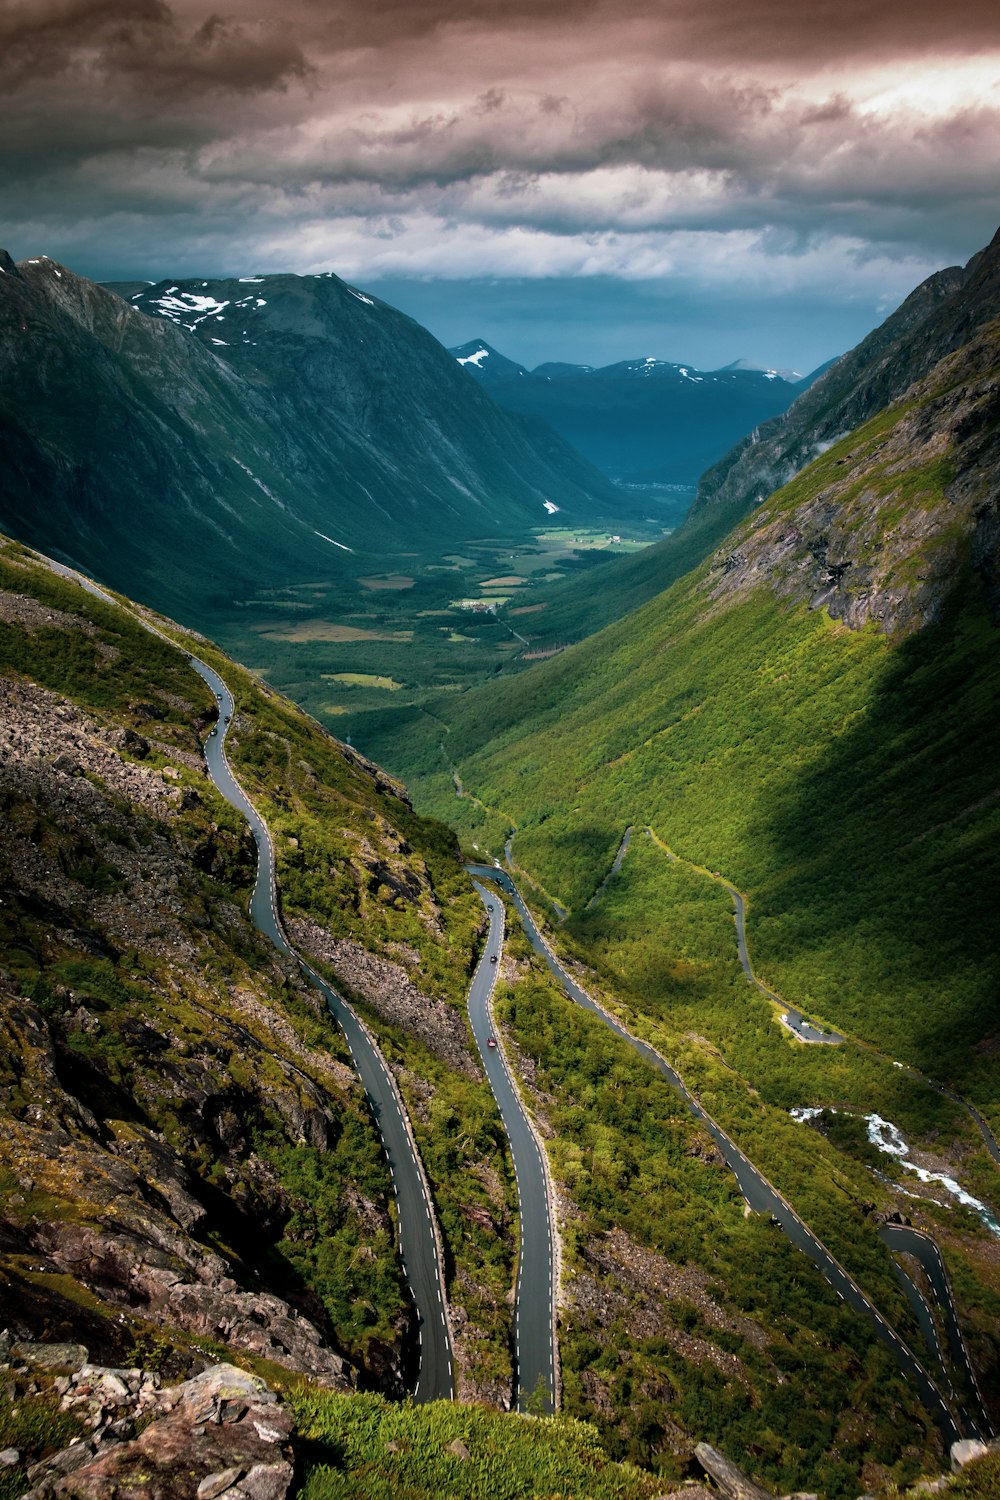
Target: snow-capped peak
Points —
{"points": [[187, 308]]}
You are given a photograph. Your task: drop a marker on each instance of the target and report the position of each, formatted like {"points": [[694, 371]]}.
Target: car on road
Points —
{"points": [[490, 910], [493, 958], [491, 1042], [213, 731]]}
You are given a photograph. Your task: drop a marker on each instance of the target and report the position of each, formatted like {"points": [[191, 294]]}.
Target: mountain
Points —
{"points": [[284, 424], [792, 377], [933, 321], [892, 535], [937, 318], [807, 719], [190, 1173], [645, 421], [480, 359]]}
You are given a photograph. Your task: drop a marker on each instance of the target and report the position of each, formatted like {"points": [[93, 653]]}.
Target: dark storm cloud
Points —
{"points": [[144, 44], [806, 32], [806, 148]]}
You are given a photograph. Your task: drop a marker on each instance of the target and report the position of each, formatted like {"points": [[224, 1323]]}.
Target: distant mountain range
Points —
{"points": [[640, 421], [935, 320], [203, 439]]}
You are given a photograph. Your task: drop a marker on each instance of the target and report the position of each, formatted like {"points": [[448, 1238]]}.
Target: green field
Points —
{"points": [[391, 641]]}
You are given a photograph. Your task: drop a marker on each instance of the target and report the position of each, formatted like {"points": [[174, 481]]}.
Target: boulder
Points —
{"points": [[730, 1480], [224, 1433], [964, 1452]]}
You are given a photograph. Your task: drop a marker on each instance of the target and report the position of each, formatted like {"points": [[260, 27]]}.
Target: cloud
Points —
{"points": [[141, 44], [774, 142]]}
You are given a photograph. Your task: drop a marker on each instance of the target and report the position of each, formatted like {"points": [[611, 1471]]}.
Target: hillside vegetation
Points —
{"points": [[811, 714], [810, 711], [161, 1057]]}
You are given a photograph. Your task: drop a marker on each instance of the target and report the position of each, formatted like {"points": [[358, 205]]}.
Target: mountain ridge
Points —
{"points": [[641, 420], [187, 476], [937, 317], [850, 390]]}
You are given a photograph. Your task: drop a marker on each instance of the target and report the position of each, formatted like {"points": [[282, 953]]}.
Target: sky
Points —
{"points": [[583, 180]]}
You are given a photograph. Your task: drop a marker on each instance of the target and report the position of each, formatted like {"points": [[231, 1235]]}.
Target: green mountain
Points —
{"points": [[286, 434], [189, 1171], [809, 717], [803, 715], [935, 320], [837, 651]]}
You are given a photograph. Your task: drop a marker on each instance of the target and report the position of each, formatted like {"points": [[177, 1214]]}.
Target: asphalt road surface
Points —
{"points": [[759, 1194], [418, 1238], [968, 1399], [535, 1351]]}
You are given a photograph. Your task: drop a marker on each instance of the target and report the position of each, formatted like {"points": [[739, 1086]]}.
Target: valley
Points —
{"points": [[632, 1056], [580, 1228], [424, 624]]}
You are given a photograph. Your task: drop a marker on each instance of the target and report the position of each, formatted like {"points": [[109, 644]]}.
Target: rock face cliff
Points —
{"points": [[881, 526], [939, 317]]}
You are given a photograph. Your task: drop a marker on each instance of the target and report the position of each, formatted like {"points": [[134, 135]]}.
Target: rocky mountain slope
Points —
{"points": [[941, 315], [190, 456], [642, 421], [188, 1162]]}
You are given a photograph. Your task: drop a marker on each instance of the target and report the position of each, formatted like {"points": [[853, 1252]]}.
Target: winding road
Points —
{"points": [[758, 1192], [535, 1349], [793, 1019], [536, 1356], [419, 1236], [907, 1241]]}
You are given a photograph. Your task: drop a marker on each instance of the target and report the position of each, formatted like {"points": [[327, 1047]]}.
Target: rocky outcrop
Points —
{"points": [[222, 1435], [879, 527], [391, 993]]}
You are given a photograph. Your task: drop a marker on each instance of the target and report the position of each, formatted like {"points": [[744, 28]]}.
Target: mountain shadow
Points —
{"points": [[887, 854]]}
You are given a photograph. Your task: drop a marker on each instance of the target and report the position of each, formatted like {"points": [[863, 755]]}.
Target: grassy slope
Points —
{"points": [[364, 866], [846, 782], [348, 1454], [803, 759]]}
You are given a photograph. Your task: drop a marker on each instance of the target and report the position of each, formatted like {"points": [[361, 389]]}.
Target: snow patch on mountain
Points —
{"points": [[188, 308], [326, 538], [258, 482], [475, 359]]}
